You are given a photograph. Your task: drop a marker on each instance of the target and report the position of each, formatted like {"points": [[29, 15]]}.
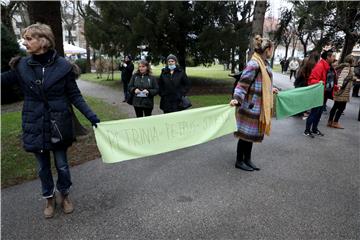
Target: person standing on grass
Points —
{"points": [[48, 83], [143, 87], [173, 85], [126, 68], [253, 97], [342, 96], [294, 66], [319, 74]]}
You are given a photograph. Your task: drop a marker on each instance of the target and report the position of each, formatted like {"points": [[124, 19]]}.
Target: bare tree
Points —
{"points": [[69, 18], [7, 12], [82, 12]]}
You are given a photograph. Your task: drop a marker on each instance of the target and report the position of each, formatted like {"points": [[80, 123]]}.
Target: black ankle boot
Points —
{"points": [[243, 166], [249, 163]]}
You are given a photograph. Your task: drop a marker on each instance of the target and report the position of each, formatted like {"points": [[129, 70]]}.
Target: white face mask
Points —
{"points": [[172, 66]]}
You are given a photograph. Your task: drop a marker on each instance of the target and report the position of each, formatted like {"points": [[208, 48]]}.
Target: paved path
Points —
{"points": [[306, 189]]}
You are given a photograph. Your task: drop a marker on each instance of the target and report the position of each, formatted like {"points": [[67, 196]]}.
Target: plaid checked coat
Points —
{"points": [[248, 118]]}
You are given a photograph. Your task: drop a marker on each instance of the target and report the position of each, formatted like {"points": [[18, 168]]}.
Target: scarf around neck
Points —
{"points": [[267, 98]]}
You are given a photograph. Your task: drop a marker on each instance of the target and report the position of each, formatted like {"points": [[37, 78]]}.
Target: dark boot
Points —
{"points": [[241, 164], [249, 163]]}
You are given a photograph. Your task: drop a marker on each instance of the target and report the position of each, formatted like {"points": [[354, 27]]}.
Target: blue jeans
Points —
{"points": [[313, 119], [44, 170]]}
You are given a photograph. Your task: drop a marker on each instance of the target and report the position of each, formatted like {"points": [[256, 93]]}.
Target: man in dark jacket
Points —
{"points": [[173, 85], [126, 68]]}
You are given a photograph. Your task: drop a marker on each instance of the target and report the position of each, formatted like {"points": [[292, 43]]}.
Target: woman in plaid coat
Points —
{"points": [[253, 98]]}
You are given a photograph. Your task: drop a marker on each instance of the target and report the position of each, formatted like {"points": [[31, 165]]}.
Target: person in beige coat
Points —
{"points": [[342, 95]]}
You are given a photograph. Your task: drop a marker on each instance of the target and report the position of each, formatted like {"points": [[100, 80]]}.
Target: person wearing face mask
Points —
{"points": [[48, 83], [173, 84], [126, 68], [253, 98], [144, 87]]}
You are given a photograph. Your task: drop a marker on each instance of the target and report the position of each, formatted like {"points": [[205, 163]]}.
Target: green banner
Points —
{"points": [[297, 100], [127, 139]]}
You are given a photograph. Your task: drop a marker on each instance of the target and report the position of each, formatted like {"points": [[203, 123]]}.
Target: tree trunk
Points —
{"points": [[48, 12], [112, 68], [182, 58], [349, 44], [273, 56], [88, 62], [233, 64], [6, 15], [258, 22], [286, 51], [70, 37]]}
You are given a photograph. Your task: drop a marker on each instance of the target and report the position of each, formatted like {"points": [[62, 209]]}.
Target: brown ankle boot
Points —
{"points": [[330, 123], [337, 125], [67, 205], [49, 210]]}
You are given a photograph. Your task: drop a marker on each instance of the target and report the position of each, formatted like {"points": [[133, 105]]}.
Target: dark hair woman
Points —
{"points": [[305, 69], [173, 85], [48, 83], [144, 87], [253, 97]]}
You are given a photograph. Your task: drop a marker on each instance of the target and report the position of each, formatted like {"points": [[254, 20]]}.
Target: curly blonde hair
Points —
{"points": [[42, 32], [261, 44]]}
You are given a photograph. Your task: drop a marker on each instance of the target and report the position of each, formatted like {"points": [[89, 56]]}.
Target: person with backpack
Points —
{"points": [[253, 98], [320, 74], [143, 87], [342, 95]]}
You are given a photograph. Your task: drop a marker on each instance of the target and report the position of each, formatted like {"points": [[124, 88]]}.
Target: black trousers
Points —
{"points": [[337, 110], [291, 73], [141, 112], [243, 150]]}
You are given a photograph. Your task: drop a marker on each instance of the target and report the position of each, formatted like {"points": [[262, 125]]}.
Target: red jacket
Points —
{"points": [[318, 73]]}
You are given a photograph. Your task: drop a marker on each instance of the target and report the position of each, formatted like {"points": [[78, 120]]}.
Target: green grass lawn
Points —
{"points": [[198, 75], [209, 100], [18, 166]]}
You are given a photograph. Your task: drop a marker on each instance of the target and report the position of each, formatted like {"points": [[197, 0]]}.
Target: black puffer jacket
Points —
{"points": [[143, 82], [172, 87], [60, 89]]}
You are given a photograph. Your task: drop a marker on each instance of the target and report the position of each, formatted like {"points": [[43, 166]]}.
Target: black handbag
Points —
{"points": [[61, 124], [61, 127], [185, 103], [130, 98]]}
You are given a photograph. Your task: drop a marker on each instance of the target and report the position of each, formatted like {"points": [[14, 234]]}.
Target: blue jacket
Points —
{"points": [[57, 79]]}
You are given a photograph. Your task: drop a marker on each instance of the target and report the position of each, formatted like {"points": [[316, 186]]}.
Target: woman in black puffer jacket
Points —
{"points": [[48, 83], [143, 88]]}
